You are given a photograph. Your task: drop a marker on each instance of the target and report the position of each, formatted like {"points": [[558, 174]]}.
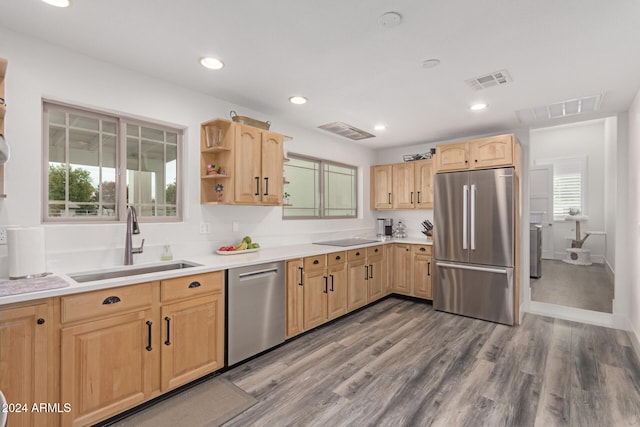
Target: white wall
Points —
{"points": [[37, 69], [633, 218], [574, 140], [610, 188]]}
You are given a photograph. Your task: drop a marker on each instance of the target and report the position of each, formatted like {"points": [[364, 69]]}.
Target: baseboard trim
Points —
{"points": [[573, 314], [633, 337]]}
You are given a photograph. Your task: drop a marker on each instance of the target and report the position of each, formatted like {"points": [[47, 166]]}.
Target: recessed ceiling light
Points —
{"points": [[479, 106], [57, 3], [430, 63], [380, 127], [212, 63], [298, 100]]}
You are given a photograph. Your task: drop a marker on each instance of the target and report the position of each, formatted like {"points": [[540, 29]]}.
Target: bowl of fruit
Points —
{"points": [[245, 246]]}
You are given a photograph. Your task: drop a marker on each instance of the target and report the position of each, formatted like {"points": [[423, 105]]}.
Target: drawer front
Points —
{"points": [[422, 249], [191, 286], [90, 305], [337, 258], [357, 254], [375, 251], [315, 262]]}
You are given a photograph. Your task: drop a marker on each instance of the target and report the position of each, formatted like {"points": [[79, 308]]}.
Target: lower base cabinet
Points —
{"points": [[123, 346], [107, 366], [422, 269], [25, 362]]}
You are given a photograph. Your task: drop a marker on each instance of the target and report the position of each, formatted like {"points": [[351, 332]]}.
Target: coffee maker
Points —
{"points": [[388, 227]]}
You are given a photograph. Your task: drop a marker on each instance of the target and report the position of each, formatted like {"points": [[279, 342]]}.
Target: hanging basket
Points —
{"points": [[249, 121]]}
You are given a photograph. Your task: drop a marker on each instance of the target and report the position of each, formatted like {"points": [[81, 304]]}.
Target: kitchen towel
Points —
{"points": [[26, 252]]}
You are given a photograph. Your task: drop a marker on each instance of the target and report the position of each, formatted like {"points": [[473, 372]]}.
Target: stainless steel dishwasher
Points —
{"points": [[255, 310]]}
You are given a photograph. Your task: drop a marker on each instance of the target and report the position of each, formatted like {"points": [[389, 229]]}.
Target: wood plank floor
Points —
{"points": [[401, 363]]}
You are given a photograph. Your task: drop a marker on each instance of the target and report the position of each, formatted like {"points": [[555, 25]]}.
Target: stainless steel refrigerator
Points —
{"points": [[474, 244]]}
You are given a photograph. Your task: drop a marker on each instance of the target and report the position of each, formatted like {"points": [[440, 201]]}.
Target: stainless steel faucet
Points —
{"points": [[132, 228]]}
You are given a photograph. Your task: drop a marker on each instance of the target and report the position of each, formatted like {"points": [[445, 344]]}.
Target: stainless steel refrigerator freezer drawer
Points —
{"points": [[483, 292]]}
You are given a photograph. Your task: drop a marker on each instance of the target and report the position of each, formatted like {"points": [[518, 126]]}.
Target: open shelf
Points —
{"points": [[215, 176]]}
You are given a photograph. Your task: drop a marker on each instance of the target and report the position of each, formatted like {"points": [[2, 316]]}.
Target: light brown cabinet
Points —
{"points": [[376, 273], [247, 164], [366, 276], [192, 319], [407, 185], [294, 298], [422, 269], [26, 363], [125, 345], [493, 151], [108, 344], [316, 291], [381, 186], [401, 272]]}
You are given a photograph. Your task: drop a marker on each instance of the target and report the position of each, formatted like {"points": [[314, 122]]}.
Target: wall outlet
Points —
{"points": [[205, 228], [3, 236]]}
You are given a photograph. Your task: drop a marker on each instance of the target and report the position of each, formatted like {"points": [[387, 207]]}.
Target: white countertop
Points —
{"points": [[208, 263]]}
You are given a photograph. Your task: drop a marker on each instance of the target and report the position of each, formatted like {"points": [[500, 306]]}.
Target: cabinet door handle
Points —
{"points": [[331, 282], [149, 335], [40, 321], [326, 285], [428, 269], [168, 341], [366, 272], [257, 186], [111, 300], [389, 198], [370, 271], [194, 285], [301, 273], [266, 186], [418, 197], [411, 201]]}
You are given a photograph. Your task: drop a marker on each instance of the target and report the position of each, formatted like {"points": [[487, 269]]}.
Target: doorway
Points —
{"points": [[562, 157]]}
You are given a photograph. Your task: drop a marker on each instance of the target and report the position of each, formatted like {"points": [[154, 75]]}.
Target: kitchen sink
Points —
{"points": [[91, 276]]}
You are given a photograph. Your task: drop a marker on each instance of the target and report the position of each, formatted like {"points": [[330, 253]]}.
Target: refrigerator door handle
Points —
{"points": [[465, 198], [474, 191], [474, 268]]}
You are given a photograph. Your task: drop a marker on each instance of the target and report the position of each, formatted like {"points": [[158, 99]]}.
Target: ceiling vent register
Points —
{"points": [[496, 78], [570, 107], [346, 131]]}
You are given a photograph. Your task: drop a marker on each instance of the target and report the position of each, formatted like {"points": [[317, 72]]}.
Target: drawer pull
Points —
{"points": [[149, 335], [315, 261], [357, 253], [111, 300], [194, 285], [40, 321], [422, 249], [168, 341], [338, 258]]}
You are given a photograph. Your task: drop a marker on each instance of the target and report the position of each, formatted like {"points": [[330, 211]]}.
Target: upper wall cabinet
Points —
{"points": [[480, 153], [240, 164], [407, 185]]}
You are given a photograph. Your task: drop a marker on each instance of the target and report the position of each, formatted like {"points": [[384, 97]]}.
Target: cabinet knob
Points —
{"points": [[40, 321]]}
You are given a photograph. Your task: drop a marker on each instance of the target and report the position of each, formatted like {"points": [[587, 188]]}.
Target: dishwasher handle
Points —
{"points": [[258, 274]]}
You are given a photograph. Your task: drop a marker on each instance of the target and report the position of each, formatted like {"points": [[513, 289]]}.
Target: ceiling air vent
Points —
{"points": [[496, 78], [560, 109], [347, 131]]}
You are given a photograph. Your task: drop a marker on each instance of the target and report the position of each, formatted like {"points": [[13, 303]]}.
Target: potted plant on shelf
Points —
{"points": [[285, 198]]}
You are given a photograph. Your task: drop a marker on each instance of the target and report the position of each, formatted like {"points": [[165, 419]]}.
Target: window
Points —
{"points": [[569, 185], [319, 189], [85, 153]]}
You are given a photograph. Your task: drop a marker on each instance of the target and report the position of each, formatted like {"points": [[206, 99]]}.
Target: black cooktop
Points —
{"points": [[346, 242]]}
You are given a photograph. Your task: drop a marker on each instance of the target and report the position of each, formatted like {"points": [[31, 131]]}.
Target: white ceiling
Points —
{"points": [[352, 70]]}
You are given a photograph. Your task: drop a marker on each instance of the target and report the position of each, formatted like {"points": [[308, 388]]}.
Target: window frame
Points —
{"points": [[121, 120], [321, 180], [584, 176]]}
